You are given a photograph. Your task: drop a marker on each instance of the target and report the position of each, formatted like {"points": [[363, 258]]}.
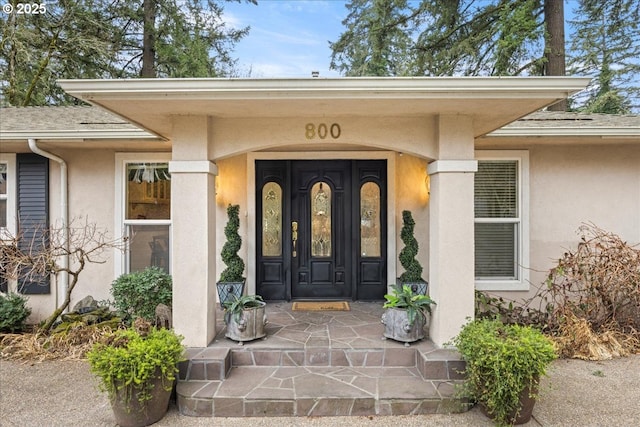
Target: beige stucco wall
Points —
{"points": [[91, 196], [412, 194], [573, 185]]}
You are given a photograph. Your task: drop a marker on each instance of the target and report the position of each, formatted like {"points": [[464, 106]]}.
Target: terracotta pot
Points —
{"points": [[130, 412], [526, 404]]}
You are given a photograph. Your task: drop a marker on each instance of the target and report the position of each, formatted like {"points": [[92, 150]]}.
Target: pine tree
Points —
{"points": [[606, 46]]}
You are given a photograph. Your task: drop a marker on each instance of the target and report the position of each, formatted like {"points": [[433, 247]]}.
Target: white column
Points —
{"points": [[193, 238], [451, 229]]}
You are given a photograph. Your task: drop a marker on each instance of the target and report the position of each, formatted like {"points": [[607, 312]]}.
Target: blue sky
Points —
{"points": [[288, 38]]}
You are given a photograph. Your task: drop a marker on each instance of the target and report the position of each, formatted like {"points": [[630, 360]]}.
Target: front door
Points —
{"points": [[321, 229]]}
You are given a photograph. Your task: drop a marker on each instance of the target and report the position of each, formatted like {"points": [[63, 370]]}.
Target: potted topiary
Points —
{"points": [[245, 318], [412, 274], [137, 368], [231, 282], [504, 364], [407, 314]]}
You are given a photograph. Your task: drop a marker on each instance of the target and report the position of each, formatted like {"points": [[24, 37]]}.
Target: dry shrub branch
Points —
{"points": [[590, 301], [596, 287]]}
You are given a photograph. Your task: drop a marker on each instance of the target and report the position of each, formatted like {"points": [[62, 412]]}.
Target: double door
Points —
{"points": [[321, 229]]}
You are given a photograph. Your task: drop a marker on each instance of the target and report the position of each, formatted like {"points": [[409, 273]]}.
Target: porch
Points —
{"points": [[318, 363]]}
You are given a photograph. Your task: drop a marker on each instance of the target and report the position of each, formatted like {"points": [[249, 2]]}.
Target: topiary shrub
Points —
{"points": [[138, 294], [235, 265], [13, 312], [412, 268]]}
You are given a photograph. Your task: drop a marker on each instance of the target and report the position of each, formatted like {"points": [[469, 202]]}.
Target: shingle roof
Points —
{"points": [[92, 121], [576, 120], [73, 118]]}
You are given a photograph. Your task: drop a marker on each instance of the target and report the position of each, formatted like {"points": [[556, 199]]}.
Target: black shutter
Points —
{"points": [[33, 212]]}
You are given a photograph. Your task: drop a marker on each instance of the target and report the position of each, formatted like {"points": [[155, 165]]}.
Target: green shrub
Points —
{"points": [[502, 361], [138, 294], [128, 360], [417, 305], [412, 268], [13, 312], [235, 264]]}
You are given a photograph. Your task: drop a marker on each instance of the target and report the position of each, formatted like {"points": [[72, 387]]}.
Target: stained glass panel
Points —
{"points": [[321, 220], [370, 220], [272, 219]]}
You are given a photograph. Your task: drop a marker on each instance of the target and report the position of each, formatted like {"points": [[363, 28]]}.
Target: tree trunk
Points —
{"points": [[149, 39], [554, 44]]}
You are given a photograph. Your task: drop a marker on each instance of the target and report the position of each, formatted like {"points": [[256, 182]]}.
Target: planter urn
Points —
{"points": [[250, 326], [129, 411], [397, 327]]}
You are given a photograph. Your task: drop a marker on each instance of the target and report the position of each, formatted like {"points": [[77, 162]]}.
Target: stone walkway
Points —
{"points": [[318, 364]]}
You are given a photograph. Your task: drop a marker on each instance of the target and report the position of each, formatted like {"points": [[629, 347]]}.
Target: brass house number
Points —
{"points": [[322, 131]]}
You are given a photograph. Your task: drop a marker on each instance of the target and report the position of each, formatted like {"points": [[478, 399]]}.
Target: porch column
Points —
{"points": [[451, 228], [193, 235]]}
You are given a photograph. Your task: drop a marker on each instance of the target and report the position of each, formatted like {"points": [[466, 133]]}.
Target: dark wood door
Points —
{"points": [[321, 212], [321, 229]]}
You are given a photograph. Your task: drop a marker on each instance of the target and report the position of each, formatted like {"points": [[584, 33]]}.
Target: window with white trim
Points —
{"points": [[501, 221], [7, 204], [144, 202]]}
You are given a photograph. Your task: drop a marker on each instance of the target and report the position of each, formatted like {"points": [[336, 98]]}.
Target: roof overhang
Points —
{"points": [[492, 102]]}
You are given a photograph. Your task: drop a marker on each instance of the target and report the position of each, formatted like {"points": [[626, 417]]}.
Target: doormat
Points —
{"points": [[321, 306]]}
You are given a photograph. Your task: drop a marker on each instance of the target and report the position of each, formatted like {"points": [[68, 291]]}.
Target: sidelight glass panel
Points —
{"points": [[272, 219], [321, 220], [370, 220]]}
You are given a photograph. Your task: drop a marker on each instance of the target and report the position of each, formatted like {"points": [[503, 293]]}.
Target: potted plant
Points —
{"points": [[231, 282], [504, 364], [412, 274], [245, 318], [137, 368], [407, 314]]}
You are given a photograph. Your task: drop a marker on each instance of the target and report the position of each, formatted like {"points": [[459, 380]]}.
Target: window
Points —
{"points": [[7, 203], [501, 222], [370, 242], [144, 202], [272, 219]]}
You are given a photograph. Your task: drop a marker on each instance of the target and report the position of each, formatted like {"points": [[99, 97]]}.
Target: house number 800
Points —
{"points": [[322, 131]]}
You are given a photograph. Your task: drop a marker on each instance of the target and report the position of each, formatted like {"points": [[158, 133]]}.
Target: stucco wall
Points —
{"points": [[91, 196], [572, 185], [412, 194]]}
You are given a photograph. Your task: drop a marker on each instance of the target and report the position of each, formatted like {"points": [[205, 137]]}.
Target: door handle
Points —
{"points": [[294, 237]]}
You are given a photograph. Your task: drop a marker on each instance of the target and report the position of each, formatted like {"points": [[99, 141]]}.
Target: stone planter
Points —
{"points": [[249, 327], [396, 326], [526, 404], [130, 412]]}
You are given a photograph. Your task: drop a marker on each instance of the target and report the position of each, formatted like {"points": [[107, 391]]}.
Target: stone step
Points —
{"points": [[216, 363], [248, 381], [317, 391]]}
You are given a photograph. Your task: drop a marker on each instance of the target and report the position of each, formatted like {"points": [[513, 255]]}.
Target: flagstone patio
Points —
{"points": [[318, 363]]}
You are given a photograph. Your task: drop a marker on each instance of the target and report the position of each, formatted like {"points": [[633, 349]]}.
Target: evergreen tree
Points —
{"points": [[111, 39], [377, 39], [606, 46]]}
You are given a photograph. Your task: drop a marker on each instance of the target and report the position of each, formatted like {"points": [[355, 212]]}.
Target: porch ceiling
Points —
{"points": [[492, 101]]}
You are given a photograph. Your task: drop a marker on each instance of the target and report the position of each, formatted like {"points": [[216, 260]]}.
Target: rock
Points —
{"points": [[85, 305]]}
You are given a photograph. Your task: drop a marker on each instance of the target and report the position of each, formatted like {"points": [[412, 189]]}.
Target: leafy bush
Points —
{"points": [[13, 312], [502, 361], [417, 305], [128, 360], [236, 306], [138, 294]]}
